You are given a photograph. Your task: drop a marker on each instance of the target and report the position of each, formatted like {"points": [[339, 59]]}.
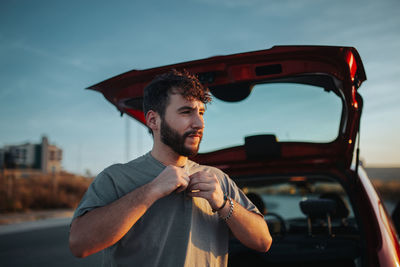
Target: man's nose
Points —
{"points": [[198, 122]]}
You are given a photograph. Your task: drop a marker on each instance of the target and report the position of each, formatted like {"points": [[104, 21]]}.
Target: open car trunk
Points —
{"points": [[232, 78]]}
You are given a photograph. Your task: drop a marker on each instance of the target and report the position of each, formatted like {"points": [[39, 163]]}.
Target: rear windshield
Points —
{"points": [[284, 198], [292, 112]]}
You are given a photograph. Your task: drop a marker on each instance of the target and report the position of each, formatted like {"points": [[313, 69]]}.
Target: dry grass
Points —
{"points": [[40, 191]]}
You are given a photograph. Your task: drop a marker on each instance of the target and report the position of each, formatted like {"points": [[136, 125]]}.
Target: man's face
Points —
{"points": [[182, 126]]}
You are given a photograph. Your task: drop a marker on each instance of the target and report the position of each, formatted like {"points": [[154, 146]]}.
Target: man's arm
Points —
{"points": [[248, 227], [104, 226]]}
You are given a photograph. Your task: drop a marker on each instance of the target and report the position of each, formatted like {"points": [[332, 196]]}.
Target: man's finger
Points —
{"points": [[200, 177], [184, 184], [201, 194], [200, 186]]}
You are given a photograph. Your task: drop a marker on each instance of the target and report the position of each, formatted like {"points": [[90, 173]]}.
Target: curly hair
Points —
{"points": [[157, 92]]}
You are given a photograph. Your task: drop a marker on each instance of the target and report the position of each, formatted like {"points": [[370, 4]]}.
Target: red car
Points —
{"points": [[285, 126]]}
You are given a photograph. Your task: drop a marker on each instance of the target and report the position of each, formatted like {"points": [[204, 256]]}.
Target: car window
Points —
{"points": [[293, 112], [284, 198]]}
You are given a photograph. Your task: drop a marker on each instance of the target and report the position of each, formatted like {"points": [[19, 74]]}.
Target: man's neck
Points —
{"points": [[168, 157]]}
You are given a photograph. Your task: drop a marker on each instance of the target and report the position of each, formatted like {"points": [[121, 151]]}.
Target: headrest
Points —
{"points": [[342, 210], [317, 207]]}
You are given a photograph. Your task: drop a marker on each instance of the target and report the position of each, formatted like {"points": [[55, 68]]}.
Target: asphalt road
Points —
{"points": [[46, 246]]}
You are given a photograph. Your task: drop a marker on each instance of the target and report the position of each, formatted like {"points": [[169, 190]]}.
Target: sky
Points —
{"points": [[50, 51]]}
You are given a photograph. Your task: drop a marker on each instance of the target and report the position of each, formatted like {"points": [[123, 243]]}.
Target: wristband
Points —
{"points": [[223, 205], [230, 210]]}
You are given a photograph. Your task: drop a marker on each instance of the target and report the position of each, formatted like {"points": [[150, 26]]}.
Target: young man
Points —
{"points": [[162, 209]]}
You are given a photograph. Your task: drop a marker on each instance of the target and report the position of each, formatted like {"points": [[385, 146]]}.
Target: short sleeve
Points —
{"points": [[101, 192], [233, 191], [239, 196]]}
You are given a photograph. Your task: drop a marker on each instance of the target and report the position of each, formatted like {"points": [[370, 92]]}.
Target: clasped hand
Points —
{"points": [[201, 184]]}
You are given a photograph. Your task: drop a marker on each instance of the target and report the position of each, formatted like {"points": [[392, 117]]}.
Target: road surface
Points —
{"points": [[43, 243]]}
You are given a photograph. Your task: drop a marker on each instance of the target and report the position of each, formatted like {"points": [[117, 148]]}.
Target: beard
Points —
{"points": [[176, 142]]}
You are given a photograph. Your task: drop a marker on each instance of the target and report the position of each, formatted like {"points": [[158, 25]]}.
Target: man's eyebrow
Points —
{"points": [[185, 108]]}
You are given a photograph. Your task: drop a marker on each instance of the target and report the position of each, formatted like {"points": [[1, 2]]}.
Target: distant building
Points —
{"points": [[43, 157]]}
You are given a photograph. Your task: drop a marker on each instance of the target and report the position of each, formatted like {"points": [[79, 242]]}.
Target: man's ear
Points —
{"points": [[152, 120]]}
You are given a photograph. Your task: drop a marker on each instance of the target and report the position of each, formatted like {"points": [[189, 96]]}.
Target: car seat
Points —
{"points": [[318, 210], [342, 210]]}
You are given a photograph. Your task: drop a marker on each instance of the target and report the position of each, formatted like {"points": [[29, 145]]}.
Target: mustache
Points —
{"points": [[194, 132]]}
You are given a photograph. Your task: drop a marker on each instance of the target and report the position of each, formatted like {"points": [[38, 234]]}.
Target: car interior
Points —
{"points": [[311, 221]]}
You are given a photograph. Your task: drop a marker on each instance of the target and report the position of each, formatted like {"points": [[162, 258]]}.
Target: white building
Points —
{"points": [[44, 157]]}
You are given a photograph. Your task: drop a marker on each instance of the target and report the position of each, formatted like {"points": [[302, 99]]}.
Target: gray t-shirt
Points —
{"points": [[176, 230]]}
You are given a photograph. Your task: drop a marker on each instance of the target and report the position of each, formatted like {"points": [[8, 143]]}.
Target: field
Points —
{"points": [[40, 191]]}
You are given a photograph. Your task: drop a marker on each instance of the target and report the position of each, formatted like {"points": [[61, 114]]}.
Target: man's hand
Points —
{"points": [[206, 185], [104, 226], [171, 179], [250, 228]]}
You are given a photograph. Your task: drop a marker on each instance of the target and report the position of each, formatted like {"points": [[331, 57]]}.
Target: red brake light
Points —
{"points": [[352, 65], [353, 69]]}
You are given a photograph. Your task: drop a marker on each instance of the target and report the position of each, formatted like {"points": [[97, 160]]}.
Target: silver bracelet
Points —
{"points": [[230, 210]]}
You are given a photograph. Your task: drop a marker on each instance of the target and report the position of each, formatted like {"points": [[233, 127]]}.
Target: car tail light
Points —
{"points": [[352, 65], [351, 62]]}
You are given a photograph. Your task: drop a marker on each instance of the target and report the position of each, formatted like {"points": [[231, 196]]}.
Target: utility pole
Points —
{"points": [[127, 139]]}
